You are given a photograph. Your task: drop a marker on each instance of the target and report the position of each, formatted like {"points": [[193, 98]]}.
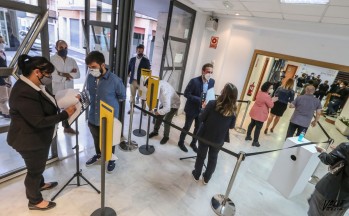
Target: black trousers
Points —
{"points": [[94, 129], [188, 121], [292, 129], [257, 131], [35, 162], [211, 162]]}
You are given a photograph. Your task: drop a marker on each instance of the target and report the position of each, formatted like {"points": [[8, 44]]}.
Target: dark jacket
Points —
{"points": [[33, 118], [144, 63], [215, 127], [193, 93], [284, 95], [330, 184]]}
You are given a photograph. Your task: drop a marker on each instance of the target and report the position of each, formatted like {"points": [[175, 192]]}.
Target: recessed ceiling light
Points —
{"points": [[228, 4], [305, 1], [237, 14]]}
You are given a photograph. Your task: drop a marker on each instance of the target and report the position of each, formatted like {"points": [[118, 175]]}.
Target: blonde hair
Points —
{"points": [[226, 102], [288, 84]]}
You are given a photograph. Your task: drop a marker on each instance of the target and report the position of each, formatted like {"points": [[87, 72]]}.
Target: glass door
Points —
{"points": [[177, 39]]}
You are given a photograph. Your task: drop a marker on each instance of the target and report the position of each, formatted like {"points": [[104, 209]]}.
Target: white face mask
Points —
{"points": [[208, 76], [341, 85], [95, 72], [270, 91]]}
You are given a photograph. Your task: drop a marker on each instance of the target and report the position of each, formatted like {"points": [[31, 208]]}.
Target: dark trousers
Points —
{"points": [[168, 117], [95, 134], [293, 127], [211, 162], [333, 106], [319, 95], [257, 131], [35, 162], [188, 121]]}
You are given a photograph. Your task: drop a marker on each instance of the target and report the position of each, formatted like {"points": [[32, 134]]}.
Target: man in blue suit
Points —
{"points": [[195, 93], [134, 70]]}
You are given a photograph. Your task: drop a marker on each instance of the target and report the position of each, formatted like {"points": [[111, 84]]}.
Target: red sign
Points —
{"points": [[214, 42]]}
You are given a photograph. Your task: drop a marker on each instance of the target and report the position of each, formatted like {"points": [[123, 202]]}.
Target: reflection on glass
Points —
{"points": [[173, 77], [100, 40], [31, 2], [180, 23], [100, 10], [175, 53]]}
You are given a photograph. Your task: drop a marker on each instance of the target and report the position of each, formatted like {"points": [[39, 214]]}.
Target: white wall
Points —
{"points": [[239, 38]]}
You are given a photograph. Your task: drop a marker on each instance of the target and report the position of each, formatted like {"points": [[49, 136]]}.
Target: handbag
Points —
{"points": [[336, 168]]}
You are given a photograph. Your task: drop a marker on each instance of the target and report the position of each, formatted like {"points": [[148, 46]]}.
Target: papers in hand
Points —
{"points": [[210, 95], [67, 97]]}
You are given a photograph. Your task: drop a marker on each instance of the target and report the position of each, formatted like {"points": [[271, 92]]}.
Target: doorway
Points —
{"points": [[289, 73]]}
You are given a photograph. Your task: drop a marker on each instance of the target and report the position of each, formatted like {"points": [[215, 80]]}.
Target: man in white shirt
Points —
{"points": [[66, 71], [170, 103]]}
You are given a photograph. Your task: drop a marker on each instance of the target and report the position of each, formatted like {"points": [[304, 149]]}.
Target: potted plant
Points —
{"points": [[342, 124]]}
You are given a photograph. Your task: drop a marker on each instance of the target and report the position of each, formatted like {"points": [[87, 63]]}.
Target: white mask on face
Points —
{"points": [[271, 91], [95, 72], [341, 85], [208, 76]]}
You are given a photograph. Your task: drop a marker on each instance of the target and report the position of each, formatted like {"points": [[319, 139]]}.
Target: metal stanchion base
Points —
{"points": [[107, 212], [223, 210], [240, 130], [143, 149], [126, 147], [139, 133], [314, 180]]}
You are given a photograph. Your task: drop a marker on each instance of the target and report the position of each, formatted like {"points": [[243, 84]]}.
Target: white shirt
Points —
{"points": [[138, 60], [63, 66], [168, 98]]}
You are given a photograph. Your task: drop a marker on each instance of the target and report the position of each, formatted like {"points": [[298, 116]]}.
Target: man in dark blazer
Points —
{"points": [[134, 70], [195, 93]]}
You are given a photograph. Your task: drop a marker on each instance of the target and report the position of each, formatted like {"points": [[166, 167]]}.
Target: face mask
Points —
{"points": [[341, 85], [45, 80], [62, 53], [140, 55], [207, 76], [95, 72], [270, 91]]}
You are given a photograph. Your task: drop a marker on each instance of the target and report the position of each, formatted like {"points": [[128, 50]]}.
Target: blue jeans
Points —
{"points": [[333, 106]]}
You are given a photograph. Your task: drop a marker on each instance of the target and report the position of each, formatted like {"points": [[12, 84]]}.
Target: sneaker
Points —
{"points": [[93, 160], [256, 144], [111, 166], [248, 138], [164, 140], [193, 146], [195, 179], [70, 131], [182, 147], [153, 134]]}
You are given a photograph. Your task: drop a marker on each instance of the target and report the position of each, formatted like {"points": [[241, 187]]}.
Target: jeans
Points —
{"points": [[293, 127], [333, 106], [94, 129], [188, 121], [35, 162], [257, 131], [211, 162], [168, 117]]}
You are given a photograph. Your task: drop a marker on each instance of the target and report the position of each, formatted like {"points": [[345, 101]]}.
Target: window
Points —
{"points": [[74, 33]]}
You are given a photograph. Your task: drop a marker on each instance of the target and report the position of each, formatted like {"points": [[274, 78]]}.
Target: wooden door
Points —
{"points": [[290, 72], [260, 78]]}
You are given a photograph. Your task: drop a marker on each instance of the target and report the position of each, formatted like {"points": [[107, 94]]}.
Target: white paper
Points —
{"points": [[210, 95], [67, 97]]}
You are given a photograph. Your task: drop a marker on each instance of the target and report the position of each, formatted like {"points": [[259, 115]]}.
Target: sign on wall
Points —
{"points": [[214, 42]]}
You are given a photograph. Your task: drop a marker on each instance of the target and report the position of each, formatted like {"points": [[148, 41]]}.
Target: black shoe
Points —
{"points": [[256, 144], [129, 112], [195, 178], [153, 134], [204, 180], [49, 206], [248, 138], [51, 185], [193, 146], [182, 147], [164, 140]]}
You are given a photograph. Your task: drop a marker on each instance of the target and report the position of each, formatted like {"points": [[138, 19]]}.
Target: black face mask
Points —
{"points": [[140, 55], [62, 53]]}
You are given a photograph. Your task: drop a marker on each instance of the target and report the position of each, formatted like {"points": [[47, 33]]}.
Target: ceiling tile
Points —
{"points": [[336, 11], [310, 10], [212, 4], [232, 13], [263, 6], [333, 20], [339, 2], [268, 15], [302, 18]]}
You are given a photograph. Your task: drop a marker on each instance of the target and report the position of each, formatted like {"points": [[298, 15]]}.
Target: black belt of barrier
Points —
{"points": [[224, 149], [240, 101]]}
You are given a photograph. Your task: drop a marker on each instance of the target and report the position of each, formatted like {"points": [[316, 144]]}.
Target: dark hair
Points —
{"points": [[311, 82], [206, 66], [27, 64], [95, 56], [345, 83], [140, 46], [226, 102], [265, 87], [59, 41]]}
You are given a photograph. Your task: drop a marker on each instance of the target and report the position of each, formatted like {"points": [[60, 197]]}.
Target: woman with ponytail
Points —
{"points": [[34, 116], [217, 118]]}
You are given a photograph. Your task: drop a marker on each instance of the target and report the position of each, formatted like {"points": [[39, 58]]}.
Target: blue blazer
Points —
{"points": [[193, 93], [145, 63]]}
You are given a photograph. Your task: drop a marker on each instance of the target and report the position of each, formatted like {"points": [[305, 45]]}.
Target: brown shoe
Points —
{"points": [[70, 131]]}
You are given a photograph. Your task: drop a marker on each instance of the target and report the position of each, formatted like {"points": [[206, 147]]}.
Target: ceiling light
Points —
{"points": [[237, 14], [305, 1], [228, 4]]}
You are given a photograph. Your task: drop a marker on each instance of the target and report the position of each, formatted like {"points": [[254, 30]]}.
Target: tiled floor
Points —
{"points": [[161, 184]]}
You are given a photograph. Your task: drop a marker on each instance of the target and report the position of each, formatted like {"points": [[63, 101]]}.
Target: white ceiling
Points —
{"points": [[336, 12]]}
